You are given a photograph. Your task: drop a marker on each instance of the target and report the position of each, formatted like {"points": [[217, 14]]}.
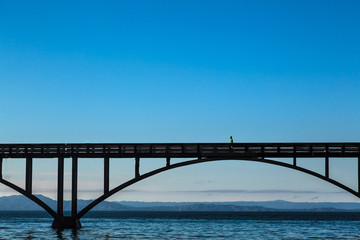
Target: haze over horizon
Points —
{"points": [[185, 71]]}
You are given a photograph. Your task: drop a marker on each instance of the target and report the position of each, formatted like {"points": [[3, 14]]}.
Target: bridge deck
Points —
{"points": [[180, 150]]}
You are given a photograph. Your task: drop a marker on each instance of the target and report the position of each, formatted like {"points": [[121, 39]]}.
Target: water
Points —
{"points": [[188, 225]]}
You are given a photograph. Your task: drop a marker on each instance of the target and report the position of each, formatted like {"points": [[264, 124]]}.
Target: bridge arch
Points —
{"points": [[203, 160], [30, 196]]}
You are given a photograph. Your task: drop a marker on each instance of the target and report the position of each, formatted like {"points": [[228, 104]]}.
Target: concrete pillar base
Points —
{"points": [[66, 222]]}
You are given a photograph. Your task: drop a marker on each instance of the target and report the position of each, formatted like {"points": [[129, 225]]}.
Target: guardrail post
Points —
{"points": [[28, 178]]}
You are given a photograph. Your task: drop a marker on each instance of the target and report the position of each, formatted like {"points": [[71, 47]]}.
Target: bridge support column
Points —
{"points": [[28, 178], [359, 174], [1, 163], [137, 167], [60, 188], [327, 167], [62, 222], [74, 185], [106, 174]]}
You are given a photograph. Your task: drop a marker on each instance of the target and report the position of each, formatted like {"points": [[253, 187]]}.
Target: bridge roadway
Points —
{"points": [[199, 152]]}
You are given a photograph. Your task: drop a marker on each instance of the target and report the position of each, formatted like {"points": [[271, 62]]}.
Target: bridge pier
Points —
{"points": [[62, 222]]}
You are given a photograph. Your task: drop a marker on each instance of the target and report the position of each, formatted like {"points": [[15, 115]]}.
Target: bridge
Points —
{"points": [[198, 152]]}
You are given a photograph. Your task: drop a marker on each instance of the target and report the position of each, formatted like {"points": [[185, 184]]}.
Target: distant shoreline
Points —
{"points": [[221, 216], [21, 203]]}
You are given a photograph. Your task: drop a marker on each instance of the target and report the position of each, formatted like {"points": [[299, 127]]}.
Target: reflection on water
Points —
{"points": [[59, 234], [195, 226], [74, 234]]}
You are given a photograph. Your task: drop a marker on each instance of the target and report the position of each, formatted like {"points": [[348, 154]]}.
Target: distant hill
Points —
{"points": [[277, 205], [207, 207], [21, 203]]}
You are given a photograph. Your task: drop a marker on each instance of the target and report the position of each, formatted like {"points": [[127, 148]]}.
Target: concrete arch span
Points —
{"points": [[197, 161], [30, 196]]}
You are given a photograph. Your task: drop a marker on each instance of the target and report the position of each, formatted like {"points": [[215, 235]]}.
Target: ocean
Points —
{"points": [[186, 225]]}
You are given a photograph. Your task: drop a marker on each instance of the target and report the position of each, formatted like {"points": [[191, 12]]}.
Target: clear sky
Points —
{"points": [[182, 71]]}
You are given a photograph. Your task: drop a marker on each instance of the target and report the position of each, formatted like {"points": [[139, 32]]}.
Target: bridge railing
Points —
{"points": [[180, 150]]}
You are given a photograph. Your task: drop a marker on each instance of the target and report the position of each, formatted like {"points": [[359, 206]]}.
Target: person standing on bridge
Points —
{"points": [[231, 140]]}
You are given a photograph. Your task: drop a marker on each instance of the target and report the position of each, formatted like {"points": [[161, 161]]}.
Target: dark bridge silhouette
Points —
{"points": [[200, 152]]}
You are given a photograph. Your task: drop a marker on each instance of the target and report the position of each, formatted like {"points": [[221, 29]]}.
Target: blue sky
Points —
{"points": [[183, 71]]}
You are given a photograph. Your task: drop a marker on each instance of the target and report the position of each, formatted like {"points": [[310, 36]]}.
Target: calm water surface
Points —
{"points": [[194, 225]]}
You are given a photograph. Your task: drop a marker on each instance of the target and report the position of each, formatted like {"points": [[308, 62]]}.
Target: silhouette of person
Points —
{"points": [[231, 143]]}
